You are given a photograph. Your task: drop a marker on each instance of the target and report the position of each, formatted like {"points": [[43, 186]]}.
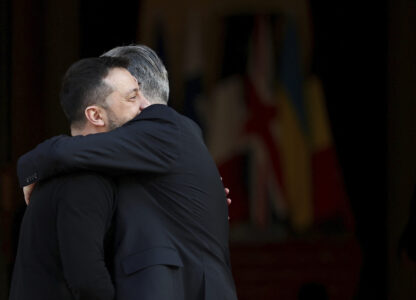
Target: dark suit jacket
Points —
{"points": [[172, 216], [60, 252]]}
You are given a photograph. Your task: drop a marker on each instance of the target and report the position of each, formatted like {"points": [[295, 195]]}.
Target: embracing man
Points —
{"points": [[171, 224], [67, 225]]}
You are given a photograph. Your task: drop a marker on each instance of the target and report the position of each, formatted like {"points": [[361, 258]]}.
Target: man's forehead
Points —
{"points": [[118, 72], [120, 77]]}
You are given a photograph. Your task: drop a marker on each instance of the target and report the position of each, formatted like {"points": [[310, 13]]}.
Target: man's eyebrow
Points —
{"points": [[132, 90]]}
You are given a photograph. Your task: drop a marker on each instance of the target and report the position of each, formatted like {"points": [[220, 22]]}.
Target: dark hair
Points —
{"points": [[83, 85], [147, 68]]}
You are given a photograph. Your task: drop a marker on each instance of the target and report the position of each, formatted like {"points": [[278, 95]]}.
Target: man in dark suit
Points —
{"points": [[61, 244], [172, 218]]}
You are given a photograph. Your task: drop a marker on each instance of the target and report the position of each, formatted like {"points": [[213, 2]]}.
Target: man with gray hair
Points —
{"points": [[171, 223], [148, 69]]}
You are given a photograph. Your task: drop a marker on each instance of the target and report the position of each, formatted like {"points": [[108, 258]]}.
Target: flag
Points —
{"points": [[293, 134], [330, 198], [269, 133], [313, 181], [225, 140], [267, 182]]}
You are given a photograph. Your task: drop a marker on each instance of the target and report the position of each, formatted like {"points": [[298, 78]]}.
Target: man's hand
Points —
{"points": [[27, 191], [227, 191]]}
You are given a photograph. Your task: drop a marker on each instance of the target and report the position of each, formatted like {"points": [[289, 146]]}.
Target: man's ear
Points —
{"points": [[95, 115]]}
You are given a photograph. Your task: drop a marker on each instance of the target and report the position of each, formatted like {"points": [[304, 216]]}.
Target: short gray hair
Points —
{"points": [[147, 68]]}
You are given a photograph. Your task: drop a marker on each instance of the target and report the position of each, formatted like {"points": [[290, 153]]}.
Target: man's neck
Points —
{"points": [[87, 129]]}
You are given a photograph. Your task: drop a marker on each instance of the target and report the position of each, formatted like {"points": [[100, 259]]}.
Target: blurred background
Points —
{"points": [[307, 107]]}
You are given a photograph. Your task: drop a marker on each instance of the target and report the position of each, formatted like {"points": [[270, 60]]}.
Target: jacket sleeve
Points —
{"points": [[84, 215], [139, 146]]}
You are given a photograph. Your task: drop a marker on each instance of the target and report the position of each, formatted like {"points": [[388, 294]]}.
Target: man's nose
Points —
{"points": [[143, 104]]}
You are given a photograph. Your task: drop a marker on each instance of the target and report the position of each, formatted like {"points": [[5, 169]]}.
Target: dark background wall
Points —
{"points": [[364, 55], [352, 57]]}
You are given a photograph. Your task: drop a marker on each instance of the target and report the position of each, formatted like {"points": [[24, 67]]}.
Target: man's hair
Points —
{"points": [[83, 85], [148, 68]]}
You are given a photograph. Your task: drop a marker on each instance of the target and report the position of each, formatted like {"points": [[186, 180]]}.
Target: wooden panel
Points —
{"points": [[5, 136]]}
